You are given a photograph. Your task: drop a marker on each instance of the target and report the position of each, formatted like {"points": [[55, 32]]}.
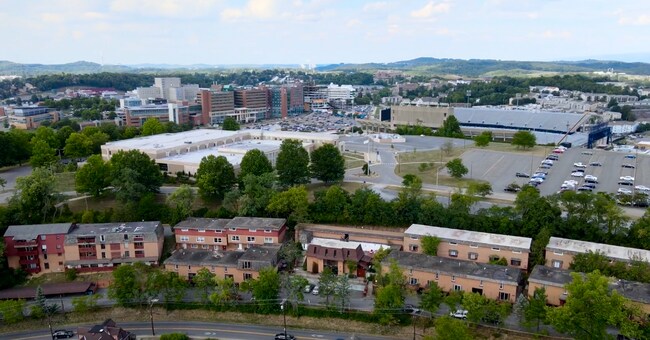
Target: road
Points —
{"points": [[223, 331], [10, 175]]}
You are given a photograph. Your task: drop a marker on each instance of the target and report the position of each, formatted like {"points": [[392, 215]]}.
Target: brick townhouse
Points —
{"points": [[36, 248], [560, 252], [229, 234]]}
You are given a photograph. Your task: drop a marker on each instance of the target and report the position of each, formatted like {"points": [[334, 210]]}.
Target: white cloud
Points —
{"points": [[54, 18], [166, 8], [353, 23], [430, 9], [639, 20], [550, 34], [375, 6], [254, 9]]}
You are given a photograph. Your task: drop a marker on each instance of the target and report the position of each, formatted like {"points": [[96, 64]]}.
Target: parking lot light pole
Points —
{"points": [[284, 316], [151, 302]]}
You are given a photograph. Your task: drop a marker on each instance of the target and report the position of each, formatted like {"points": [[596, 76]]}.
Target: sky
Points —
{"points": [[221, 32]]}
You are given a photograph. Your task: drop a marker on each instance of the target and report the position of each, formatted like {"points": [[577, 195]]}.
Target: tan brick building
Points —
{"points": [[493, 281], [560, 252], [391, 237], [229, 234], [102, 246], [238, 265], [336, 254], [471, 245]]}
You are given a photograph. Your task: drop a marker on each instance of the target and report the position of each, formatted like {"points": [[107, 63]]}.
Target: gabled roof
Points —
{"points": [[467, 236], [613, 252]]}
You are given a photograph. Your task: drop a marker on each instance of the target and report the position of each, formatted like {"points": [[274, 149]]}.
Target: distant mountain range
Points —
{"points": [[424, 66]]}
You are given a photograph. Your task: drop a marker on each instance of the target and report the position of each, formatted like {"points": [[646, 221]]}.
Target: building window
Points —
{"points": [[218, 231], [515, 262], [437, 275], [126, 237], [204, 246], [195, 246], [268, 240], [102, 238], [453, 253], [103, 246], [557, 264], [500, 285], [176, 267], [252, 230], [516, 251], [267, 231], [496, 248], [413, 281], [185, 238], [126, 254], [201, 230], [472, 256], [473, 245], [453, 278], [200, 239], [248, 276], [43, 237], [233, 229], [480, 284], [185, 230], [504, 296], [453, 243], [234, 238], [458, 288], [217, 240], [413, 247], [250, 239], [103, 255], [246, 265], [558, 252], [47, 265], [414, 237]]}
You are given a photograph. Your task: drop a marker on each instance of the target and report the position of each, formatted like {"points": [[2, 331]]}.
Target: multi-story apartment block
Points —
{"points": [[471, 245], [28, 118], [229, 234], [493, 281], [254, 100], [45, 248], [238, 265], [102, 246], [560, 252], [216, 105], [36, 248], [171, 112]]}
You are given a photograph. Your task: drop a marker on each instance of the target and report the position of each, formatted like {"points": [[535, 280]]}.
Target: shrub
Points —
{"points": [[70, 274], [174, 336]]}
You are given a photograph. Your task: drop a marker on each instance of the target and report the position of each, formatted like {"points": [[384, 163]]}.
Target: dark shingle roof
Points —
{"points": [[550, 276], [32, 231], [256, 223], [203, 223]]}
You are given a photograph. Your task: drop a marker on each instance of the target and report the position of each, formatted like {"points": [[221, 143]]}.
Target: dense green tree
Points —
{"points": [[448, 328], [256, 194], [590, 308], [481, 189], [432, 297], [327, 284], [266, 289], [42, 154], [292, 204], [93, 178], [294, 286], [450, 128], [181, 202], [47, 135], [35, 197], [134, 174], [535, 310], [129, 284], [430, 245], [367, 207], [62, 134], [480, 308], [483, 139], [204, 280], [230, 124], [168, 284], [12, 311], [255, 163], [327, 164], [456, 168], [152, 126], [215, 177], [78, 145], [86, 303], [292, 163], [331, 205], [225, 292], [524, 139]]}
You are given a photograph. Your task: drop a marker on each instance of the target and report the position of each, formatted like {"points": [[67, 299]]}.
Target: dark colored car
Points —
{"points": [[280, 336], [629, 166], [522, 174], [595, 164], [62, 334]]}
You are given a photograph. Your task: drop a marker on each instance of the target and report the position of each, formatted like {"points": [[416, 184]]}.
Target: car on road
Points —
{"points": [[545, 166], [537, 180], [558, 151], [585, 188], [627, 183], [587, 153], [308, 288], [410, 309], [579, 165], [595, 164], [591, 178], [512, 187], [459, 314], [315, 290], [630, 156], [577, 174], [642, 188], [626, 178], [624, 191], [553, 157], [62, 334], [628, 166], [522, 174], [281, 336]]}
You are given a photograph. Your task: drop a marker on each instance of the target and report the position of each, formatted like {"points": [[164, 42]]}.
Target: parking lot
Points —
{"points": [[313, 122], [499, 168]]}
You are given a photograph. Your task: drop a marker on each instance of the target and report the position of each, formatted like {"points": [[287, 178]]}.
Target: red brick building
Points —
{"points": [[229, 234], [36, 248]]}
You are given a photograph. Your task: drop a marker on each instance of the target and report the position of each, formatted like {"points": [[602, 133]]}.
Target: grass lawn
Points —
{"points": [[353, 160], [64, 181], [60, 277]]}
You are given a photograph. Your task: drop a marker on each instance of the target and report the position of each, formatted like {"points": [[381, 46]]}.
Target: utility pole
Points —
{"points": [[284, 316], [151, 302]]}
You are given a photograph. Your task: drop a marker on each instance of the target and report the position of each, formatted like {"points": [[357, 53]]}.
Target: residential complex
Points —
{"points": [[228, 234], [560, 252], [471, 245], [46, 248]]}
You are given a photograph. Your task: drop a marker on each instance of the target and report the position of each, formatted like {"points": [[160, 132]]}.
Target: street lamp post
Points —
{"points": [[151, 302], [284, 316]]}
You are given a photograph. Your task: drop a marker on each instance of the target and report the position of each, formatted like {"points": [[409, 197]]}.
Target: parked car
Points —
{"points": [[626, 178], [537, 180], [315, 290], [624, 191], [642, 188], [628, 166], [587, 153], [630, 156], [579, 165], [577, 174], [545, 166], [522, 174], [558, 151], [585, 188], [459, 314], [553, 157], [308, 288], [280, 336], [591, 178], [589, 185], [627, 183], [595, 164], [62, 334], [512, 187], [547, 161]]}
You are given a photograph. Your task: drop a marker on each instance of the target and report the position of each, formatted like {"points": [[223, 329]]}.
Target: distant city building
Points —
{"points": [[340, 92], [254, 100], [169, 88], [28, 118], [172, 112], [287, 100], [216, 105]]}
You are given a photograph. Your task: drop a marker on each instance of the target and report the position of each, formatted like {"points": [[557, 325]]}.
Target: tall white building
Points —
{"points": [[169, 88], [339, 92]]}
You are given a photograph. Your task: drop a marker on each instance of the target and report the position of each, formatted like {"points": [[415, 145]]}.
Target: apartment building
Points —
{"points": [[560, 252], [337, 255], [102, 246], [36, 248], [471, 245], [390, 237], [495, 282], [238, 265], [229, 234], [216, 105], [254, 100]]}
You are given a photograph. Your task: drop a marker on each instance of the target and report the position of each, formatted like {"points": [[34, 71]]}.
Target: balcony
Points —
{"points": [[87, 256], [25, 261], [24, 244], [27, 252], [86, 240], [138, 245]]}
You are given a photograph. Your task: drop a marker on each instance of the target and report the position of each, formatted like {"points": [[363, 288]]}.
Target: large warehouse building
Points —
{"points": [[183, 151]]}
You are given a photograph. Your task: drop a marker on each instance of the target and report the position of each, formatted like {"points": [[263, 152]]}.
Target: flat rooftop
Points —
{"points": [[120, 228], [550, 276], [241, 222], [30, 232], [339, 244], [459, 235], [233, 152], [203, 223], [261, 253], [613, 252], [171, 140], [434, 264], [184, 257]]}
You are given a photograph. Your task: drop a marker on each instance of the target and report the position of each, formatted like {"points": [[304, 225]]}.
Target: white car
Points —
{"points": [[571, 182], [642, 188], [624, 191], [627, 178], [537, 179], [591, 178], [547, 161], [577, 174], [579, 165], [459, 314]]}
